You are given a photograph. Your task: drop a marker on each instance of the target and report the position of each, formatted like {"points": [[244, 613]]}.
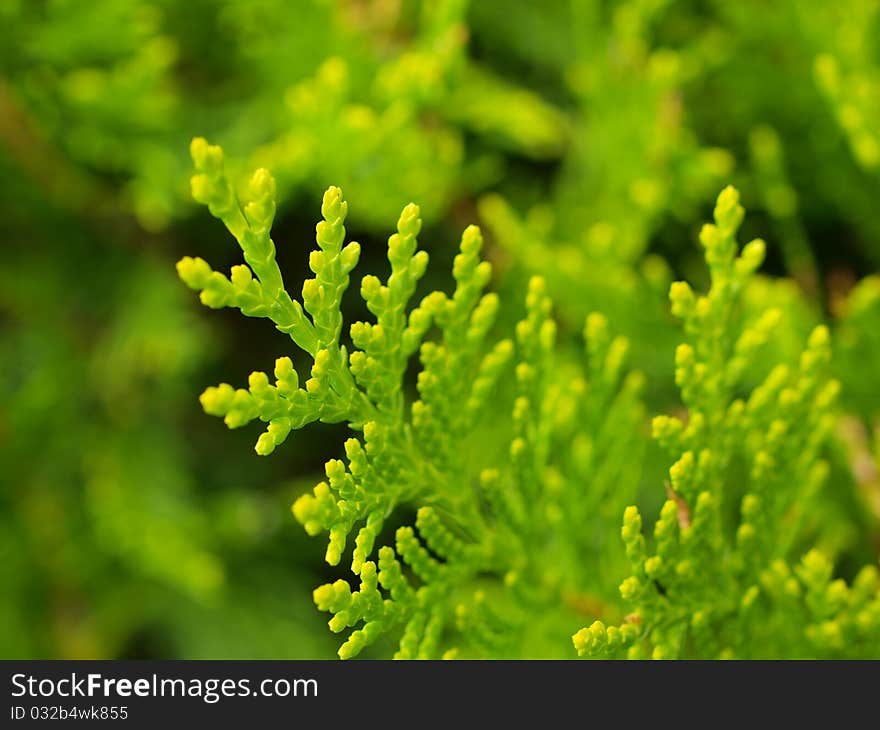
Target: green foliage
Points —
{"points": [[859, 339], [109, 546], [587, 140], [342, 98], [505, 538], [486, 524], [719, 579]]}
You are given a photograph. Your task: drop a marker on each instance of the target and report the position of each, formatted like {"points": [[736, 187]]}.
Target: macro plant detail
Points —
{"points": [[515, 543], [476, 446], [720, 579]]}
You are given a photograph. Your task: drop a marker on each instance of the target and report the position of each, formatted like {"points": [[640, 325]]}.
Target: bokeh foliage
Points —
{"points": [[589, 140]]}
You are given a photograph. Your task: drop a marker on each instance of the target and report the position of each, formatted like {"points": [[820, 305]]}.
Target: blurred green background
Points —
{"points": [[588, 138]]}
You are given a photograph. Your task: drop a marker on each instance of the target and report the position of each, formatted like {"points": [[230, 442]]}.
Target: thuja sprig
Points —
{"points": [[498, 544], [504, 543], [257, 289], [720, 579]]}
